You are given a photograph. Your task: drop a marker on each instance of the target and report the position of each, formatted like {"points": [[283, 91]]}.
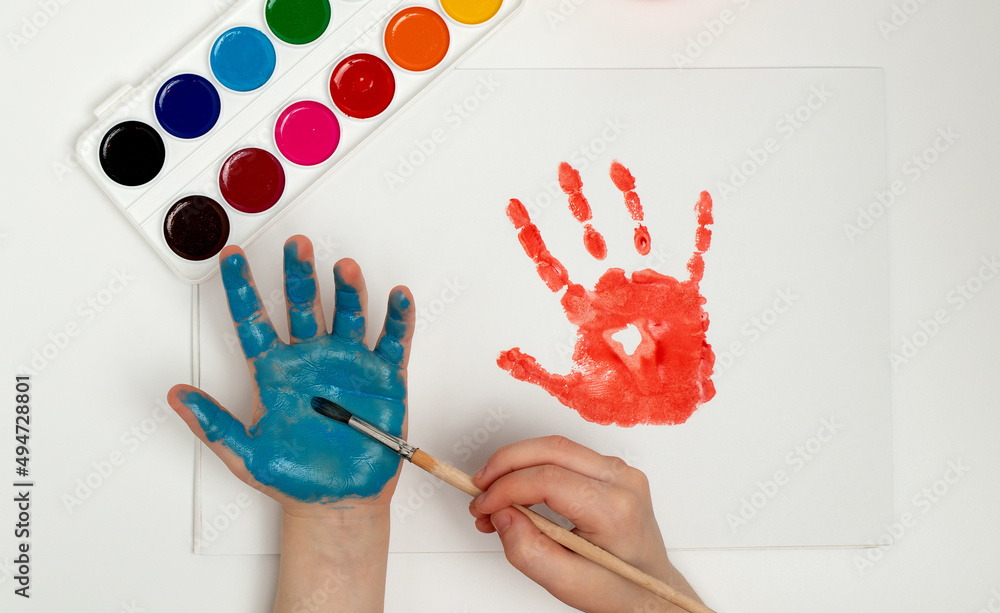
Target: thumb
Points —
{"points": [[224, 434]]}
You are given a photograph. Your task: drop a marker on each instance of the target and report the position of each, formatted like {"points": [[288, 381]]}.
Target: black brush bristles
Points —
{"points": [[330, 409]]}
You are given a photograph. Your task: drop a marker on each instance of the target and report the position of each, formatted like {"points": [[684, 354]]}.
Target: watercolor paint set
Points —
{"points": [[241, 122]]}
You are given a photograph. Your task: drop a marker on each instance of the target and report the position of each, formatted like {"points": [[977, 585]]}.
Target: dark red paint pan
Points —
{"points": [[252, 180]]}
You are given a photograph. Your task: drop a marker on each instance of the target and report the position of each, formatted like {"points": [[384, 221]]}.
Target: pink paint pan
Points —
{"points": [[237, 126]]}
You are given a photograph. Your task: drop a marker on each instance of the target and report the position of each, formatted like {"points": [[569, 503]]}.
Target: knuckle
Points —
{"points": [[621, 472], [617, 469], [499, 455], [624, 506], [559, 443], [639, 480], [618, 465]]}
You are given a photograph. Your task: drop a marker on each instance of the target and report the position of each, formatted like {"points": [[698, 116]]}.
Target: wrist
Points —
{"points": [[333, 556], [655, 562], [327, 518]]}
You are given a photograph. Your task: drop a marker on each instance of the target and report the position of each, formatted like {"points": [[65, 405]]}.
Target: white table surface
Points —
{"points": [[127, 546]]}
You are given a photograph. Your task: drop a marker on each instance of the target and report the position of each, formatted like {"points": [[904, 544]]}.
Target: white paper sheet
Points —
{"points": [[795, 449]]}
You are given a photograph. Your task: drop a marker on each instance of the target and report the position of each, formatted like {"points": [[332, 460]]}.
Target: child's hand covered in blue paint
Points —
{"points": [[290, 452]]}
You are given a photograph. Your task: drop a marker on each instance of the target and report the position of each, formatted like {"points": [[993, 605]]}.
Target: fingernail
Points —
{"points": [[478, 499], [479, 473], [501, 521]]}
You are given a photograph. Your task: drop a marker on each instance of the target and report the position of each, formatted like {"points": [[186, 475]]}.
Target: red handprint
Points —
{"points": [[669, 374]]}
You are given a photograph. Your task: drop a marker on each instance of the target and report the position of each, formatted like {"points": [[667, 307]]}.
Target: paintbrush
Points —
{"points": [[453, 476]]}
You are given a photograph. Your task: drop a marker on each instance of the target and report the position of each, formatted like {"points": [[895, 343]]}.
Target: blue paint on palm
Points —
{"points": [[291, 447]]}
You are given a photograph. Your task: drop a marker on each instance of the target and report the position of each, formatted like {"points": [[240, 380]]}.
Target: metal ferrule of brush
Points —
{"points": [[395, 443]]}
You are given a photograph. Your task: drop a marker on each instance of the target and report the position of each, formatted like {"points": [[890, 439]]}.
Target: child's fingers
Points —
{"points": [[351, 305], [224, 434], [558, 451], [302, 297], [253, 326], [564, 491], [484, 525], [595, 507], [531, 552], [396, 338], [566, 575]]}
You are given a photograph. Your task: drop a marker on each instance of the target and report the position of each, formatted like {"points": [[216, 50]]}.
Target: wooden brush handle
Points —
{"points": [[452, 476], [445, 472]]}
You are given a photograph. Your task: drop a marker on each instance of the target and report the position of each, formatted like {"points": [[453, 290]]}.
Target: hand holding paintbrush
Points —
{"points": [[464, 482], [327, 544]]}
